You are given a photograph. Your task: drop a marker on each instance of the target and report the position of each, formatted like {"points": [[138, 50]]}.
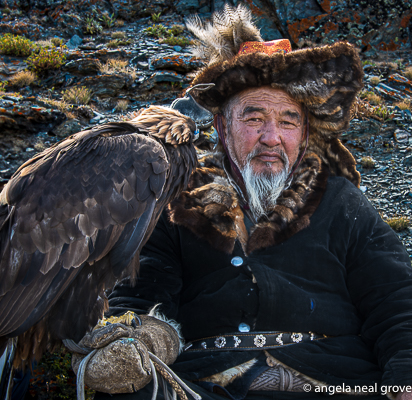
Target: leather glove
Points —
{"points": [[121, 361]]}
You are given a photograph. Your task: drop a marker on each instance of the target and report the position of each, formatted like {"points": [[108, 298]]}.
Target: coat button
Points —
{"points": [[237, 261], [243, 327]]}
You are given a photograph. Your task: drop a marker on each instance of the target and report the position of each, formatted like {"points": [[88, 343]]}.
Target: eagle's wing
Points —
{"points": [[65, 210]]}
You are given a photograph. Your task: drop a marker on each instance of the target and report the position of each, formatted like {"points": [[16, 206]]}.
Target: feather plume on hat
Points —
{"points": [[221, 39]]}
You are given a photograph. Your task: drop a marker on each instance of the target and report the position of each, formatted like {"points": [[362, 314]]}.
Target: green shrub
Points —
{"points": [[176, 30], [3, 85], [79, 95], [91, 26], [107, 20], [46, 59], [176, 41], [169, 36], [157, 31], [15, 45], [156, 17], [383, 112]]}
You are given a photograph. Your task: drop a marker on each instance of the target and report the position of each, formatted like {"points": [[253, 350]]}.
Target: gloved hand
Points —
{"points": [[121, 363]]}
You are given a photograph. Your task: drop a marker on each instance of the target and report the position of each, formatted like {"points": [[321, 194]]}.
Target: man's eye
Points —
{"points": [[255, 119], [288, 123]]}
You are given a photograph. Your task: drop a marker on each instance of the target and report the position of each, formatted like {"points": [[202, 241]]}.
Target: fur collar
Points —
{"points": [[210, 206]]}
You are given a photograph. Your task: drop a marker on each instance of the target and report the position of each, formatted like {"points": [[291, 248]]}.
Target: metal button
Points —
{"points": [[237, 261], [243, 327]]}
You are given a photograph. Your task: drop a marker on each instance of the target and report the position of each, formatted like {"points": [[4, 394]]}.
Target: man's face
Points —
{"points": [[264, 122]]}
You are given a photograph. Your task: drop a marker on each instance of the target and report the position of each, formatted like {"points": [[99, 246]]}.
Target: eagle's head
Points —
{"points": [[166, 124]]}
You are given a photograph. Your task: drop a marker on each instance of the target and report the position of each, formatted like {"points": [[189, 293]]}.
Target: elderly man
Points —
{"points": [[283, 279]]}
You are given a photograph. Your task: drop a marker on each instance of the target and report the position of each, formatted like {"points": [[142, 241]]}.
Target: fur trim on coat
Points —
{"points": [[210, 207]]}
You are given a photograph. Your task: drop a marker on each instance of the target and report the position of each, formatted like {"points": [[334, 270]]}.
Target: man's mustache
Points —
{"points": [[258, 151]]}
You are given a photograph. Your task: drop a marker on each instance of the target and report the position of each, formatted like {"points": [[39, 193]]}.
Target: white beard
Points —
{"points": [[263, 190]]}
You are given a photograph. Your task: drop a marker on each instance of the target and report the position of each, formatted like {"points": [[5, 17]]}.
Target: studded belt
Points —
{"points": [[251, 341]]}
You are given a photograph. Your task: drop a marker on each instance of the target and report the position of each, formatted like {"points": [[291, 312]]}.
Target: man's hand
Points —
{"points": [[120, 363]]}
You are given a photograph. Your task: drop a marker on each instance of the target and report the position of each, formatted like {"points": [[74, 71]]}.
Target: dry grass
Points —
{"points": [[373, 98], [367, 162], [387, 64], [122, 105], [398, 223], [408, 73], [119, 23], [23, 78], [404, 104], [45, 43], [119, 35], [361, 109], [78, 95], [374, 80], [115, 66], [113, 44], [57, 42], [61, 105]]}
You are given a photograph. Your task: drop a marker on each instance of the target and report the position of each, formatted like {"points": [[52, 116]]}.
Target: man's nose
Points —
{"points": [[271, 134]]}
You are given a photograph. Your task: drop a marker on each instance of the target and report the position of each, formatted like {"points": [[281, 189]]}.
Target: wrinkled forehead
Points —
{"points": [[266, 99]]}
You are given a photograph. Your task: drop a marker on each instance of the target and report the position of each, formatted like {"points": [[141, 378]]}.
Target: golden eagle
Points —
{"points": [[74, 218]]}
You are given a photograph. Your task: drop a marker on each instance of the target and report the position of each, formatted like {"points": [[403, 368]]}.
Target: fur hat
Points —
{"points": [[324, 79]]}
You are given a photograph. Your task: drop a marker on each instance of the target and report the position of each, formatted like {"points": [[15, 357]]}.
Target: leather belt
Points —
{"points": [[251, 341]]}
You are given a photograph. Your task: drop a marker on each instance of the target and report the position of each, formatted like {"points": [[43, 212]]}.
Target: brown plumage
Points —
{"points": [[74, 218]]}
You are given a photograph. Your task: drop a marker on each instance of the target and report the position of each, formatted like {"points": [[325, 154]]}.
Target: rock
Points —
{"points": [[401, 83], [179, 62], [108, 85], [367, 128], [10, 66], [83, 66], [132, 9], [101, 54], [23, 27], [186, 7], [390, 92], [74, 42], [402, 136], [26, 118], [67, 128], [95, 120], [177, 48], [85, 111], [408, 161]]}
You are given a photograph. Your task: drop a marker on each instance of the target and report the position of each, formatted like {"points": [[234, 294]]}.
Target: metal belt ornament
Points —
{"points": [[251, 341]]}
